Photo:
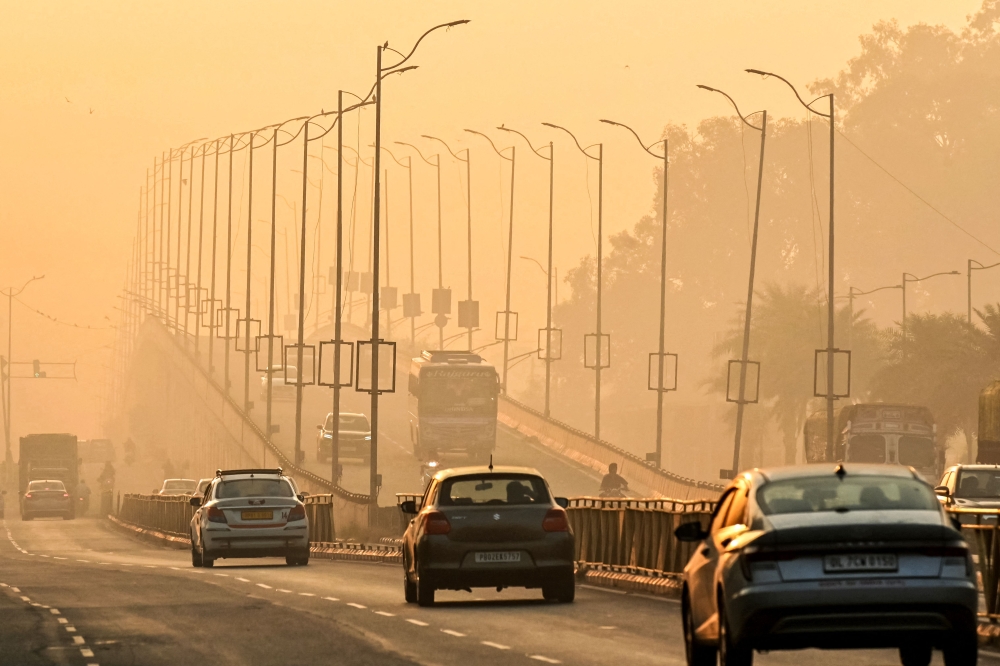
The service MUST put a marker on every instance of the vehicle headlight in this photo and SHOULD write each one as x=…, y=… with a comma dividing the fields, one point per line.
x=327, y=436
x=368, y=438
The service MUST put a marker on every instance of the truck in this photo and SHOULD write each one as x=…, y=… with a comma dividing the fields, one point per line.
x=452, y=404
x=49, y=456
x=877, y=433
x=989, y=425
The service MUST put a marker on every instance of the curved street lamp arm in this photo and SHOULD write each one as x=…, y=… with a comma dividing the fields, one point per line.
x=434, y=164
x=537, y=263
x=537, y=151
x=12, y=293
x=636, y=135
x=914, y=278
x=558, y=127
x=855, y=292
x=979, y=266
x=441, y=141
x=414, y=49
x=495, y=149
x=797, y=95
x=733, y=102
x=327, y=130
x=408, y=161
x=280, y=128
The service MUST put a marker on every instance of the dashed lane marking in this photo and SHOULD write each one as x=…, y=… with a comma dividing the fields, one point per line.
x=452, y=632
x=306, y=594
x=84, y=561
x=418, y=623
x=266, y=587
x=224, y=575
x=25, y=598
x=331, y=598
x=285, y=591
x=547, y=660
x=56, y=557
x=609, y=627
x=78, y=640
x=243, y=580
x=62, y=620
x=70, y=629
x=86, y=652
x=495, y=645
x=354, y=605
x=55, y=611
x=384, y=614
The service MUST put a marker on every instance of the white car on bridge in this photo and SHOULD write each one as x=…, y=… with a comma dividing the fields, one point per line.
x=249, y=513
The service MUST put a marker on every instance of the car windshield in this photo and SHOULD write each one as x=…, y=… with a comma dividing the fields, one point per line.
x=229, y=489
x=978, y=483
x=464, y=391
x=916, y=451
x=354, y=422
x=866, y=449
x=180, y=484
x=493, y=489
x=850, y=493
x=46, y=485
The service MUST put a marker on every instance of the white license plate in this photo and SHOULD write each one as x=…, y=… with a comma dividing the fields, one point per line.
x=861, y=562
x=487, y=558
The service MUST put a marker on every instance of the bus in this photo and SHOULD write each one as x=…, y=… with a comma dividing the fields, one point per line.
x=878, y=433
x=452, y=403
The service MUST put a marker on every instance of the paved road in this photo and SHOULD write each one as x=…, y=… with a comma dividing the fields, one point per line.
x=80, y=587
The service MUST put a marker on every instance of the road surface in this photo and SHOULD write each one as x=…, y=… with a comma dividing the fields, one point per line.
x=82, y=592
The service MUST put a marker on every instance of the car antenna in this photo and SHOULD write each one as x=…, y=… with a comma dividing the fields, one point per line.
x=840, y=471
x=491, y=463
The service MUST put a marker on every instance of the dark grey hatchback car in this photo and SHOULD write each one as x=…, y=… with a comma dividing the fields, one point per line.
x=487, y=527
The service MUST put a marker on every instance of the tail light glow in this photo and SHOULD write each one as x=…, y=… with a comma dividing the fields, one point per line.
x=436, y=522
x=216, y=515
x=298, y=512
x=555, y=521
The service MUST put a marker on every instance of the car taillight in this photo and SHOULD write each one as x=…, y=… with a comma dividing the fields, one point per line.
x=555, y=521
x=436, y=522
x=27, y=495
x=298, y=512
x=216, y=515
x=65, y=494
x=752, y=555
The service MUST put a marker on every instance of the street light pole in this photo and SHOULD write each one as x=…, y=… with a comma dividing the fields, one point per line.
x=409, y=174
x=600, y=268
x=978, y=267
x=548, y=273
x=663, y=286
x=510, y=255
x=830, y=347
x=741, y=403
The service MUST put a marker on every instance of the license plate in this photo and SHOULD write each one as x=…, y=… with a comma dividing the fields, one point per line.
x=257, y=515
x=860, y=563
x=487, y=558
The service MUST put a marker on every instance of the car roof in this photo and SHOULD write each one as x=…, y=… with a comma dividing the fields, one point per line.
x=186, y=480
x=483, y=469
x=45, y=481
x=825, y=469
x=977, y=466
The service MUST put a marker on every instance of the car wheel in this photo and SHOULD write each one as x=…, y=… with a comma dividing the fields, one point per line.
x=731, y=651
x=409, y=589
x=915, y=655
x=196, y=559
x=207, y=561
x=562, y=589
x=425, y=592
x=963, y=650
x=697, y=654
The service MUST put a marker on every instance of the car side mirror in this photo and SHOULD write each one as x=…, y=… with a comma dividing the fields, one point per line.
x=690, y=532
x=195, y=501
x=944, y=491
x=562, y=501
x=408, y=507
x=302, y=497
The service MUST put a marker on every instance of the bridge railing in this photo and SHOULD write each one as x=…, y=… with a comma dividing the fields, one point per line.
x=169, y=514
x=981, y=529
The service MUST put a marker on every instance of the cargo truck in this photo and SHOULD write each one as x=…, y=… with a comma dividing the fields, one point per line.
x=989, y=425
x=49, y=457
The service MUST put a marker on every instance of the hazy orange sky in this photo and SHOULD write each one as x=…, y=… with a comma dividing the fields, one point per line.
x=93, y=90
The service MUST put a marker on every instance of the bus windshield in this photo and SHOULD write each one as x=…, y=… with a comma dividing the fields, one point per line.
x=458, y=392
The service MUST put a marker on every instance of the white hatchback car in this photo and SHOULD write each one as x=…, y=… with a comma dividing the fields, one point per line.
x=249, y=513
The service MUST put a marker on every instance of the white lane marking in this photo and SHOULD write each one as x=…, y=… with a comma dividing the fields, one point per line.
x=266, y=587
x=223, y=575
x=195, y=571
x=495, y=645
x=331, y=599
x=384, y=614
x=86, y=652
x=4, y=585
x=354, y=605
x=285, y=591
x=418, y=623
x=124, y=564
x=43, y=555
x=26, y=599
x=609, y=627
x=547, y=660
x=174, y=568
x=55, y=611
x=243, y=580
x=603, y=589
x=36, y=604
x=14, y=589
x=62, y=620
x=148, y=566
x=56, y=557
x=452, y=632
x=306, y=594
x=78, y=640
x=70, y=629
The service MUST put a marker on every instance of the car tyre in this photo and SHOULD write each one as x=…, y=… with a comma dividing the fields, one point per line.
x=425, y=592
x=697, y=654
x=731, y=651
x=562, y=589
x=963, y=650
x=915, y=655
x=409, y=589
x=196, y=558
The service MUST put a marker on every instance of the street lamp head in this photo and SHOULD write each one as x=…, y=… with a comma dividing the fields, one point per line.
x=758, y=71
x=703, y=87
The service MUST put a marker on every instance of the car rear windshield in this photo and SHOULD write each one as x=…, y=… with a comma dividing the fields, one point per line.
x=491, y=489
x=180, y=484
x=253, y=488
x=354, y=422
x=850, y=493
x=978, y=483
x=46, y=485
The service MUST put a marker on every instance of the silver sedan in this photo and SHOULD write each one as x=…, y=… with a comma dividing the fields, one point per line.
x=824, y=556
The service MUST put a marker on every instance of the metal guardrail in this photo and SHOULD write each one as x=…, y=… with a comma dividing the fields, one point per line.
x=985, y=538
x=170, y=514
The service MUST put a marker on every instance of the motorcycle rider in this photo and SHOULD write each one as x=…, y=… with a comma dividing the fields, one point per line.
x=83, y=496
x=613, y=485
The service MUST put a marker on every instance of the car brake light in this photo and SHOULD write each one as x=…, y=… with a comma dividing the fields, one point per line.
x=216, y=515
x=555, y=521
x=753, y=555
x=298, y=512
x=65, y=494
x=436, y=522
